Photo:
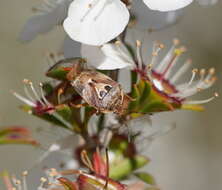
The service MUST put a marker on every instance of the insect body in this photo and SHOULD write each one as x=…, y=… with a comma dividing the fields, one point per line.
x=100, y=91
x=97, y=89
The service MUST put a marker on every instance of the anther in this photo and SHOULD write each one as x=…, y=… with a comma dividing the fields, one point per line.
x=199, y=89
x=176, y=41
x=43, y=180
x=53, y=172
x=25, y=173
x=211, y=71
x=183, y=49
x=202, y=72
x=161, y=46
x=117, y=42
x=195, y=70
x=149, y=66
x=216, y=94
x=138, y=43
x=18, y=182
x=26, y=81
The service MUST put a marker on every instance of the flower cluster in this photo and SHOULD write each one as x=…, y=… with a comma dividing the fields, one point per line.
x=82, y=95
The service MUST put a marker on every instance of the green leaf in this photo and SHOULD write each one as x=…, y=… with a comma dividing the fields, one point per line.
x=123, y=168
x=64, y=111
x=155, y=106
x=145, y=177
x=148, y=100
x=61, y=69
x=145, y=92
x=135, y=96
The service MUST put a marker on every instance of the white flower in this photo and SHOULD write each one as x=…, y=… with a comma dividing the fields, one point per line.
x=167, y=5
x=48, y=15
x=96, y=22
x=108, y=57
x=164, y=77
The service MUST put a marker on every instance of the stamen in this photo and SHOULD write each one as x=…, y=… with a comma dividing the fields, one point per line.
x=122, y=51
x=202, y=73
x=53, y=172
x=162, y=65
x=173, y=61
x=24, y=174
x=43, y=96
x=156, y=48
x=85, y=159
x=17, y=183
x=23, y=99
x=42, y=182
x=211, y=72
x=181, y=71
x=149, y=71
x=138, y=54
x=203, y=101
x=27, y=92
x=194, y=72
x=176, y=42
x=63, y=121
x=34, y=91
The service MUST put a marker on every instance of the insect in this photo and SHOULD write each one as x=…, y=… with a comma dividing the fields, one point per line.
x=101, y=92
x=97, y=89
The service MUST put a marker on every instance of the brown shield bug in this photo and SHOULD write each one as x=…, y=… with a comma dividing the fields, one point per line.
x=101, y=92
x=96, y=88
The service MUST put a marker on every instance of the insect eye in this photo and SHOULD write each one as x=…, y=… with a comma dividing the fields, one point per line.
x=102, y=94
x=93, y=80
x=108, y=88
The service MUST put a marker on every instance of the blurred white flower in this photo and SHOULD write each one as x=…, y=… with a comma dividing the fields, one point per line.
x=48, y=14
x=96, y=22
x=108, y=56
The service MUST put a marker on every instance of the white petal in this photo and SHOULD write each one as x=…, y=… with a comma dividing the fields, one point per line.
x=54, y=13
x=98, y=24
x=167, y=5
x=106, y=57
